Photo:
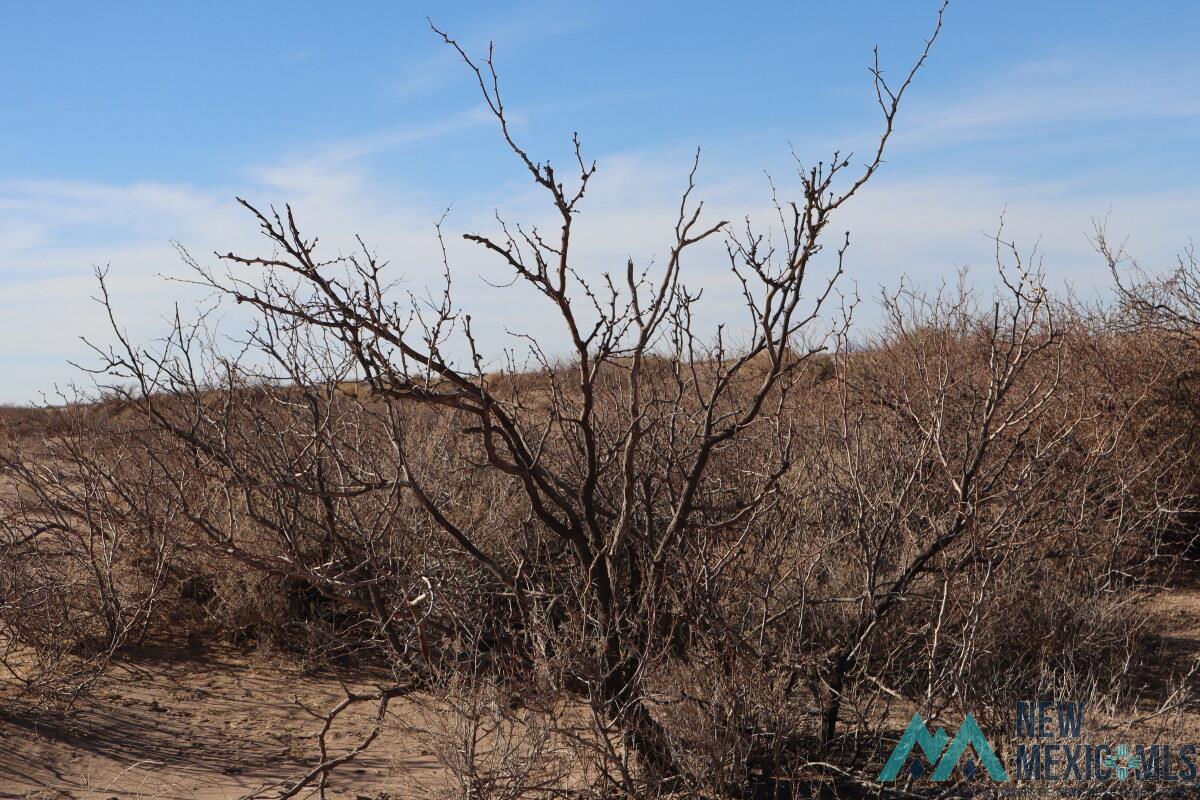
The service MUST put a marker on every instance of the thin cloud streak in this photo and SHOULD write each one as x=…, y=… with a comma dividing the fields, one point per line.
x=925, y=228
x=1072, y=93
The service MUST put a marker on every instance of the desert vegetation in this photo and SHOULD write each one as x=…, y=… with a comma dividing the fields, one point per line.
x=646, y=560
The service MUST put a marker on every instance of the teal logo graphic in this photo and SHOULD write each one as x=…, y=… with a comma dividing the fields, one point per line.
x=943, y=759
x=1049, y=747
x=1122, y=762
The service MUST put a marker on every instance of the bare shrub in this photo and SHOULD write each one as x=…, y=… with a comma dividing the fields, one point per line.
x=655, y=562
x=83, y=557
x=1157, y=318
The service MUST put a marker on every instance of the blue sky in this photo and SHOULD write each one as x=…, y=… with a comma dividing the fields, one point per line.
x=128, y=125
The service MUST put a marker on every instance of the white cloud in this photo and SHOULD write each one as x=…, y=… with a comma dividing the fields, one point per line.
x=54, y=232
x=1055, y=92
x=335, y=167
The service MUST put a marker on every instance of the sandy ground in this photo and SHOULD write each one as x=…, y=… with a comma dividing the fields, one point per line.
x=222, y=727
x=226, y=726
